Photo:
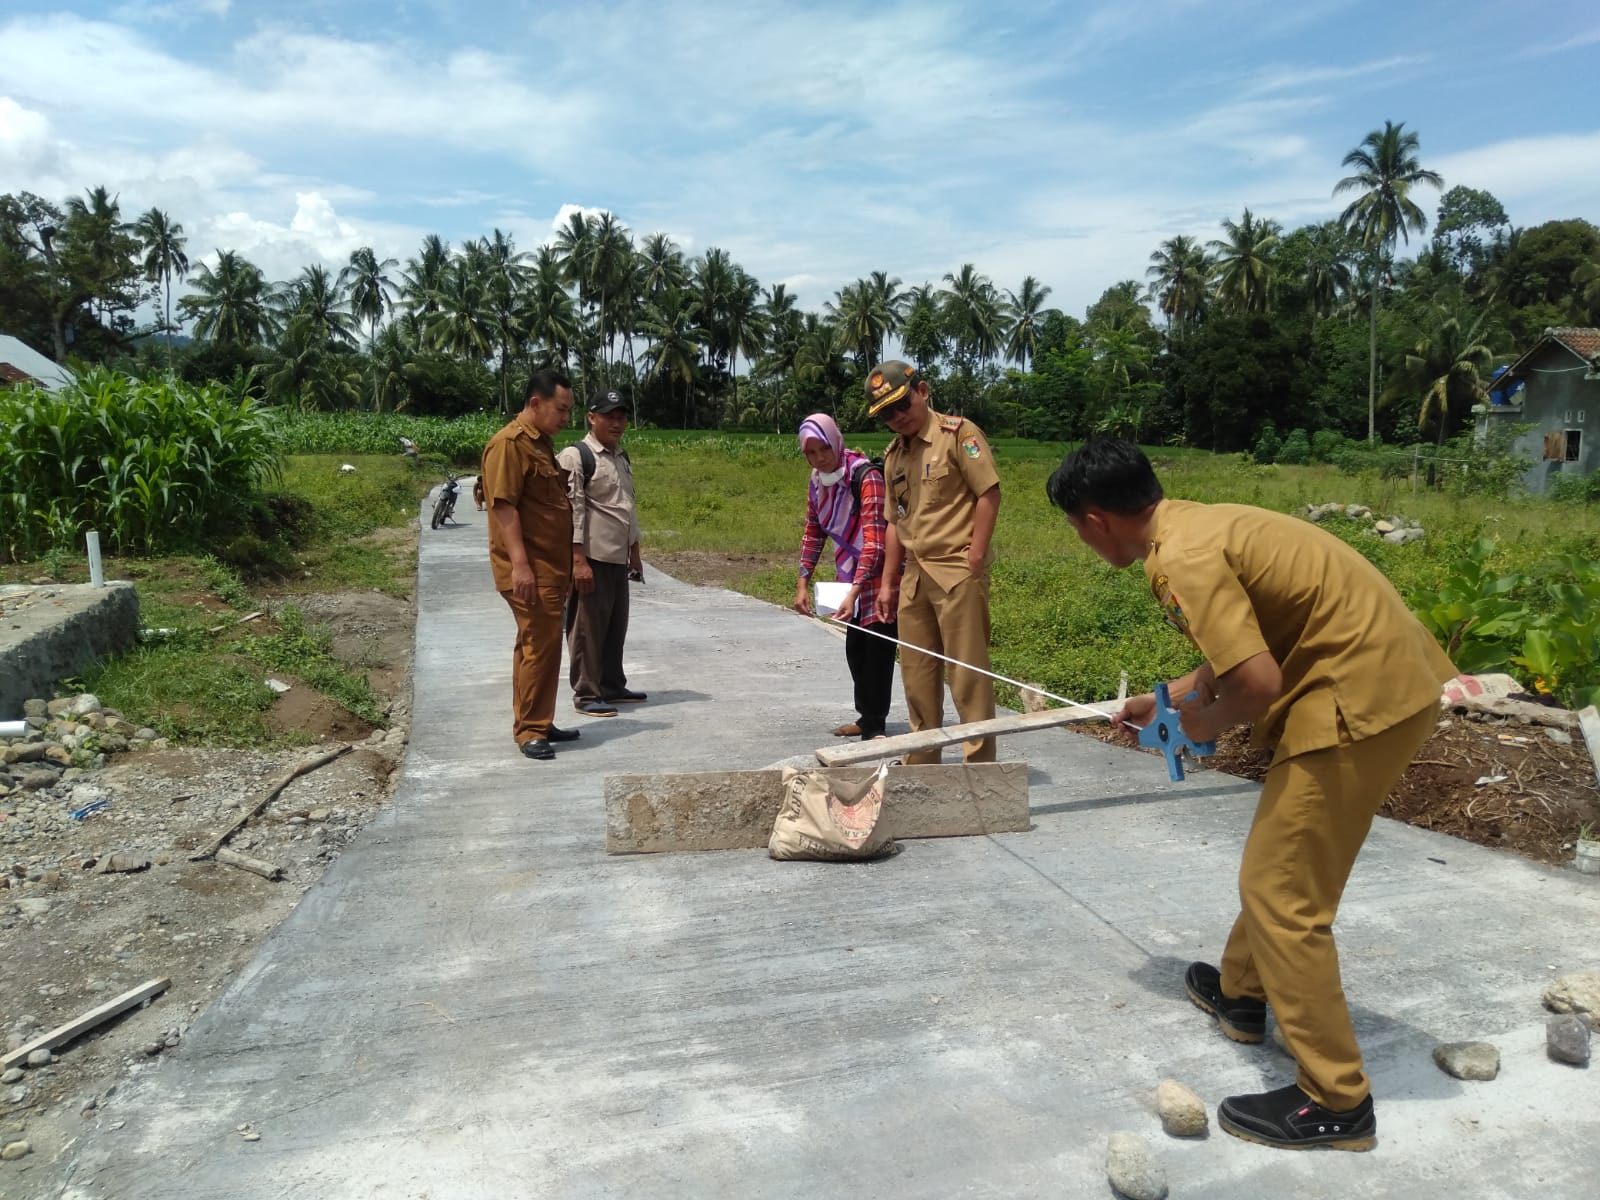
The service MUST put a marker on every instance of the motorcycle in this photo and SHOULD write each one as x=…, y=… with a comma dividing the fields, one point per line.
x=445, y=506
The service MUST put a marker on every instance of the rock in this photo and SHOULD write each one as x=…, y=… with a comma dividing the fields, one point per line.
x=40, y=1058
x=16, y=1150
x=1132, y=1169
x=120, y=861
x=172, y=1040
x=35, y=781
x=1559, y=736
x=122, y=727
x=1402, y=537
x=1358, y=511
x=11, y=1075
x=34, y=906
x=1384, y=526
x=1577, y=993
x=59, y=754
x=88, y=1106
x=1467, y=1060
x=35, y=708
x=1183, y=1114
x=28, y=752
x=85, y=704
x=1567, y=1039
x=318, y=814
x=56, y=707
x=144, y=735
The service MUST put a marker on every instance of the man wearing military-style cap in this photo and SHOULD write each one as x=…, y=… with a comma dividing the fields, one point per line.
x=944, y=496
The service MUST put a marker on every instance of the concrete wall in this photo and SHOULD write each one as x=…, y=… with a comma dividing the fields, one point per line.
x=58, y=631
x=1555, y=399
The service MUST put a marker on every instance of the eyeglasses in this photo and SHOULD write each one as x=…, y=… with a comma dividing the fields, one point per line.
x=894, y=410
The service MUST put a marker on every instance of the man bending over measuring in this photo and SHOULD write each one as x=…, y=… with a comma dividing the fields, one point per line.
x=1307, y=641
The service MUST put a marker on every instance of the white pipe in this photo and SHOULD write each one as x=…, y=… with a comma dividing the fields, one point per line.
x=97, y=571
x=13, y=729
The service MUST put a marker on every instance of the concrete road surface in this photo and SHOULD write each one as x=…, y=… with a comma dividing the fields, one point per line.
x=476, y=1002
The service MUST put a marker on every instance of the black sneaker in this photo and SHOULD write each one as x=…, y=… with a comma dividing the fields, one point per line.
x=1242, y=1019
x=625, y=696
x=562, y=735
x=1289, y=1119
x=595, y=708
x=537, y=748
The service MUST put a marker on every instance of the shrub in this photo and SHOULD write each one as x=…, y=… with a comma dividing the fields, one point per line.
x=1296, y=449
x=152, y=465
x=1267, y=444
x=1325, y=443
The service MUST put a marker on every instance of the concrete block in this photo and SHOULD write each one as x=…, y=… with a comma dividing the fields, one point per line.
x=57, y=631
x=734, y=810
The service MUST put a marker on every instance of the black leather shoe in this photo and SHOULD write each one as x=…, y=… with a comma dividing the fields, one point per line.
x=537, y=748
x=1241, y=1019
x=626, y=697
x=1291, y=1120
x=562, y=735
x=595, y=708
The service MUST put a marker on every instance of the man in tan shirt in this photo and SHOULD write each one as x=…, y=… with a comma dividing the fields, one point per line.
x=943, y=499
x=605, y=554
x=1307, y=641
x=530, y=553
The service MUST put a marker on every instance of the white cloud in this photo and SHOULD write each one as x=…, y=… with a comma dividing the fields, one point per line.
x=1538, y=178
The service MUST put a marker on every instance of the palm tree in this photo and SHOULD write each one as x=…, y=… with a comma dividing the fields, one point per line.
x=1024, y=309
x=549, y=318
x=661, y=266
x=747, y=327
x=1180, y=280
x=785, y=325
x=164, y=259
x=367, y=286
x=863, y=317
x=424, y=275
x=462, y=323
x=230, y=303
x=319, y=296
x=971, y=307
x=1244, y=262
x=1327, y=274
x=820, y=359
x=675, y=338
x=1387, y=168
x=504, y=271
x=1444, y=366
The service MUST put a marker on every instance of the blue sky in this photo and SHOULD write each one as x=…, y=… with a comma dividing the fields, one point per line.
x=816, y=142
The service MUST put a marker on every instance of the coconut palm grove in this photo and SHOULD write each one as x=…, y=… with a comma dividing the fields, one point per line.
x=1382, y=325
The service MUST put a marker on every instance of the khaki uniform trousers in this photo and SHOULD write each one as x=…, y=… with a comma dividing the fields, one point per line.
x=955, y=624
x=1315, y=811
x=536, y=661
x=597, y=628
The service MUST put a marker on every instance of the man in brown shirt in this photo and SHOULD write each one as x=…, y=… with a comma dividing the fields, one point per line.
x=1307, y=641
x=943, y=499
x=605, y=553
x=530, y=553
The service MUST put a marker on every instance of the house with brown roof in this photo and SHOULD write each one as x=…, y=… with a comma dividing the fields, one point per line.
x=20, y=363
x=1554, y=390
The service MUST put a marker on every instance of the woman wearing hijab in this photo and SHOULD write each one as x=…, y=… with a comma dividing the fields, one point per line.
x=845, y=502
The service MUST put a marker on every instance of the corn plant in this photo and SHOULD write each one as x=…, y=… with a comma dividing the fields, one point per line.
x=150, y=464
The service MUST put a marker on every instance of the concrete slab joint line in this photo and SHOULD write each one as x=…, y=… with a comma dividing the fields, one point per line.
x=734, y=810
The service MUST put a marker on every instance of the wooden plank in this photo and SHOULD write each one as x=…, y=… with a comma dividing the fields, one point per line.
x=1589, y=723
x=245, y=863
x=735, y=810
x=62, y=1034
x=1519, y=710
x=948, y=735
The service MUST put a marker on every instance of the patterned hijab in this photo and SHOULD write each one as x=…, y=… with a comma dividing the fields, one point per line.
x=837, y=513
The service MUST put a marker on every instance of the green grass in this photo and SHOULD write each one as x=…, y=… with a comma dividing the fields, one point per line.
x=1062, y=618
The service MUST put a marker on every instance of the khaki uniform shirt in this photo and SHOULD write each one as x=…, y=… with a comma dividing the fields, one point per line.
x=519, y=467
x=1238, y=580
x=935, y=477
x=605, y=524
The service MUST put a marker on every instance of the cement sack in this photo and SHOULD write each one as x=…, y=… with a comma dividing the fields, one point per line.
x=828, y=820
x=1490, y=687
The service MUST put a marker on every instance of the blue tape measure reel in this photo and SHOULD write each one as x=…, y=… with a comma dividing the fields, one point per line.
x=1166, y=735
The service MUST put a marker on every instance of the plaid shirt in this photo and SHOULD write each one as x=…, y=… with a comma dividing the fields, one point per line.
x=869, y=519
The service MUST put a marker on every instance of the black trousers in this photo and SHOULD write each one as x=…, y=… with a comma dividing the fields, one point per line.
x=597, y=627
x=871, y=662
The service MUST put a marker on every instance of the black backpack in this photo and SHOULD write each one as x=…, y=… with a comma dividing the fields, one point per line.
x=586, y=456
x=875, y=463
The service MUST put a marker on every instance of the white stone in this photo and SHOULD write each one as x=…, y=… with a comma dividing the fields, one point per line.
x=1183, y=1114
x=1576, y=993
x=1132, y=1169
x=85, y=704
x=1467, y=1060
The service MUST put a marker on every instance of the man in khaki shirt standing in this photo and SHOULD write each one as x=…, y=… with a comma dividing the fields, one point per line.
x=1307, y=641
x=605, y=554
x=943, y=499
x=530, y=553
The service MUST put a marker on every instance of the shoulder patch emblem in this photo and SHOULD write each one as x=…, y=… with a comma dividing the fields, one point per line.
x=970, y=445
x=1171, y=609
x=951, y=424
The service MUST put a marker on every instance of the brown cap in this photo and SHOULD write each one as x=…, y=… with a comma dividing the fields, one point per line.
x=887, y=383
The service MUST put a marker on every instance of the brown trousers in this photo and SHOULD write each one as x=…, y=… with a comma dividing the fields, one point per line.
x=597, y=627
x=1315, y=811
x=536, y=661
x=955, y=624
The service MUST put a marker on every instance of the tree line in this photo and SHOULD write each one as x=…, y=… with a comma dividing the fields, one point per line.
x=1323, y=327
